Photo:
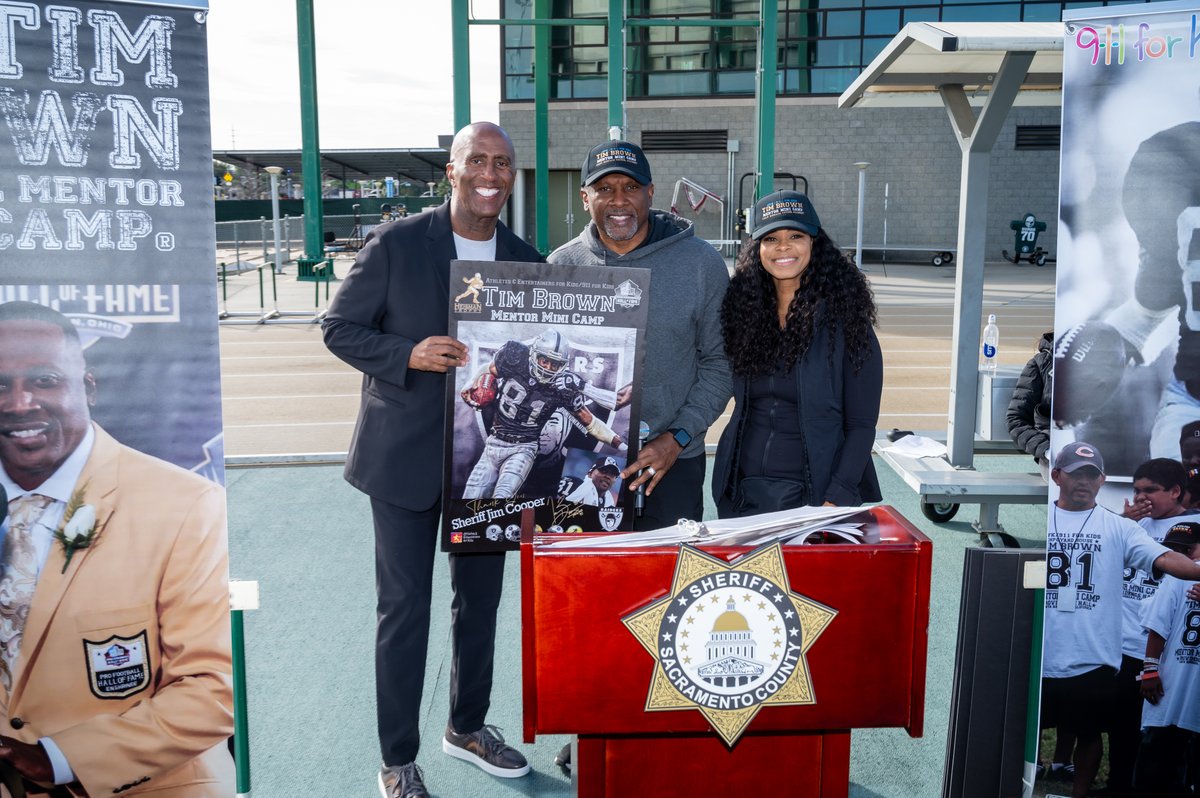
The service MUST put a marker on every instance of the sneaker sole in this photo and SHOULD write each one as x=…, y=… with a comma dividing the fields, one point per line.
x=466, y=756
x=382, y=788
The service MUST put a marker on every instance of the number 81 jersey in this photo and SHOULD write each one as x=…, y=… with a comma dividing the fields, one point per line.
x=523, y=402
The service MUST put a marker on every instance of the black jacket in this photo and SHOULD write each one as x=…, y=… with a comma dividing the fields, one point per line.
x=396, y=295
x=839, y=409
x=1029, y=408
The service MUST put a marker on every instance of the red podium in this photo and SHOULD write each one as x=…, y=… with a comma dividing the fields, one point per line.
x=585, y=673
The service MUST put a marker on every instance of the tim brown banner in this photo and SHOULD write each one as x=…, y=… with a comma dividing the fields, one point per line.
x=106, y=208
x=545, y=413
x=1126, y=371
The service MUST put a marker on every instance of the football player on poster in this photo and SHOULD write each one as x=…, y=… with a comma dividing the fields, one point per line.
x=526, y=383
x=1127, y=362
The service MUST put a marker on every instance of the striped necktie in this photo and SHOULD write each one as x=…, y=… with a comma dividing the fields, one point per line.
x=19, y=579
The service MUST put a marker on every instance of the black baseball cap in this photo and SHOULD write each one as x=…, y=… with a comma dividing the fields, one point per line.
x=789, y=210
x=606, y=462
x=620, y=157
x=1182, y=536
x=1190, y=430
x=1075, y=456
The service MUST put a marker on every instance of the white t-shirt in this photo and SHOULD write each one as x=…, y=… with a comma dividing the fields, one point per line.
x=1140, y=585
x=1086, y=553
x=469, y=249
x=586, y=493
x=1173, y=615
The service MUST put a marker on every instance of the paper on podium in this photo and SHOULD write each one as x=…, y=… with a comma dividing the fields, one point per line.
x=789, y=527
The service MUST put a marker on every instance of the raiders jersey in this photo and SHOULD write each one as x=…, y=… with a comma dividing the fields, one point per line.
x=1161, y=200
x=523, y=404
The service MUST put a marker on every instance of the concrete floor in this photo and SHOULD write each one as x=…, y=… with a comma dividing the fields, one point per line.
x=285, y=394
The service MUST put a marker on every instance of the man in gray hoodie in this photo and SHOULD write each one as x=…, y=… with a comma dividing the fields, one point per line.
x=686, y=382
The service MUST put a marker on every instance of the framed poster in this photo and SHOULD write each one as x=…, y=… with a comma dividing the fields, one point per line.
x=544, y=414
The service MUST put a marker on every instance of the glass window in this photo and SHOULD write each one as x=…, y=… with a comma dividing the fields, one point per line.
x=838, y=52
x=667, y=84
x=735, y=82
x=843, y=23
x=988, y=13
x=590, y=34
x=872, y=48
x=591, y=86
x=885, y=22
x=927, y=14
x=1042, y=12
x=519, y=87
x=832, y=81
x=589, y=8
x=518, y=61
x=589, y=60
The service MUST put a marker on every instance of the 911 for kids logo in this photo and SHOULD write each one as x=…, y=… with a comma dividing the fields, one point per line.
x=729, y=639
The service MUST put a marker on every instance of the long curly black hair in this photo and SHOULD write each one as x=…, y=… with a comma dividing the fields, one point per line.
x=832, y=292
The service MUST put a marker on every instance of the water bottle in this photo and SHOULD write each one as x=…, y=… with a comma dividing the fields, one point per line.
x=991, y=341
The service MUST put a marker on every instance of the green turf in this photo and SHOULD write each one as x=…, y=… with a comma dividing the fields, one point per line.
x=306, y=537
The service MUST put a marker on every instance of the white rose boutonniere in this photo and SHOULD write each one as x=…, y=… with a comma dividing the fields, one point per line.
x=78, y=529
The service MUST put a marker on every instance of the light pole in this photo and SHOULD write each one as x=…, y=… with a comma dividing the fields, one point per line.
x=862, y=192
x=275, y=172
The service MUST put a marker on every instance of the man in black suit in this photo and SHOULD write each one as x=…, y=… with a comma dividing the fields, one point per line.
x=390, y=321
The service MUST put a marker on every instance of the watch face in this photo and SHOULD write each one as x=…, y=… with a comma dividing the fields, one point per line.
x=681, y=437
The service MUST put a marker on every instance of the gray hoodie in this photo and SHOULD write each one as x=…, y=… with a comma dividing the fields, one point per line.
x=686, y=381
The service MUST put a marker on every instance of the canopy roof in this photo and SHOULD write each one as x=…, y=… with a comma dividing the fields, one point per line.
x=926, y=55
x=418, y=165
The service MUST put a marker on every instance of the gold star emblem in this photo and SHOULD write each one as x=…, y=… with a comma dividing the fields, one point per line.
x=679, y=683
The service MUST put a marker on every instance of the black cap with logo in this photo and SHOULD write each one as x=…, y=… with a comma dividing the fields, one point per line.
x=789, y=210
x=620, y=157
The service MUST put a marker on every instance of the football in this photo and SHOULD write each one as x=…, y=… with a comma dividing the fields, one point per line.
x=1089, y=362
x=482, y=393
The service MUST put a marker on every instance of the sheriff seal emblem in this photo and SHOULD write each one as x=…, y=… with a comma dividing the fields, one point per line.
x=729, y=639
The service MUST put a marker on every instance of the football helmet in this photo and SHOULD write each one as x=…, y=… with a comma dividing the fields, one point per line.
x=547, y=356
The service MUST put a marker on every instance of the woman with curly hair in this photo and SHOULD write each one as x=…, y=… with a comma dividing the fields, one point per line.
x=798, y=321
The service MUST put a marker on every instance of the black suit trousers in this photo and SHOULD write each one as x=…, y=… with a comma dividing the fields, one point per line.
x=406, y=542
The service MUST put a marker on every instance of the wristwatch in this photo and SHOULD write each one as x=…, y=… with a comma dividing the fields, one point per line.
x=681, y=437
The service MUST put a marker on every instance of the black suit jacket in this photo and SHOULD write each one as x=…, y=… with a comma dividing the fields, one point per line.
x=397, y=294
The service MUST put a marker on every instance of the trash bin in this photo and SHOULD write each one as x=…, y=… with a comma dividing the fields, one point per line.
x=1025, y=239
x=991, y=410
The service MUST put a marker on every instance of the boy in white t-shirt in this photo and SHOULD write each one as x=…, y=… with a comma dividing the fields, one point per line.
x=1158, y=487
x=1170, y=680
x=1087, y=550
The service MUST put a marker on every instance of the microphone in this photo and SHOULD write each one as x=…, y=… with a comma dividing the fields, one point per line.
x=639, y=498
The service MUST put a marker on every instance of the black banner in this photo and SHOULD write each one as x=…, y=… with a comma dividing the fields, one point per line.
x=106, y=209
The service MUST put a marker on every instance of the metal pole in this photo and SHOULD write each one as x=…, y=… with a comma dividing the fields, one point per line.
x=262, y=233
x=314, y=231
x=460, y=46
x=616, y=65
x=274, y=172
x=541, y=128
x=767, y=59
x=241, y=724
x=224, y=293
x=862, y=193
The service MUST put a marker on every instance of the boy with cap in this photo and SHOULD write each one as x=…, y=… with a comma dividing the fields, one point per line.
x=595, y=490
x=1088, y=548
x=687, y=383
x=1170, y=679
